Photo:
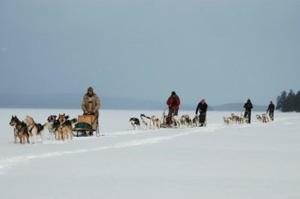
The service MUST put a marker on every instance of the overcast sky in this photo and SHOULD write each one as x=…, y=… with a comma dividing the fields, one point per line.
x=222, y=50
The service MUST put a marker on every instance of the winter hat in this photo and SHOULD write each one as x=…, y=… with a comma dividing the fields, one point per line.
x=90, y=89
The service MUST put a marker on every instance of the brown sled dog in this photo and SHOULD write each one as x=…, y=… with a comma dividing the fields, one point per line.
x=20, y=130
x=64, y=130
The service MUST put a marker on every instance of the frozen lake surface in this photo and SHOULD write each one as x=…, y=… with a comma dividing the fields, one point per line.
x=257, y=161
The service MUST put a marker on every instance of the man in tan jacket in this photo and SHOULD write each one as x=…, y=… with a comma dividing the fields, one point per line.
x=91, y=105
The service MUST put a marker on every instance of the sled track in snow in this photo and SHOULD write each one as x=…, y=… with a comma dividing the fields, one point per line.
x=15, y=161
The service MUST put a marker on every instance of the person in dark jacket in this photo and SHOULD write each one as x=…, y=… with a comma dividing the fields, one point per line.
x=173, y=104
x=202, y=108
x=248, y=107
x=270, y=110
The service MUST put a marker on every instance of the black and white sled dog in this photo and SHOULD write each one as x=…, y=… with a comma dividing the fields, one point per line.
x=234, y=119
x=146, y=120
x=185, y=120
x=135, y=123
x=264, y=118
x=150, y=122
x=52, y=125
x=195, y=121
x=60, y=127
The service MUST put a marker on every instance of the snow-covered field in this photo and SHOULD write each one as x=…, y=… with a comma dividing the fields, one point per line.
x=257, y=161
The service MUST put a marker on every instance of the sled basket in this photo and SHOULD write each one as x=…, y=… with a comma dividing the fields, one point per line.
x=88, y=119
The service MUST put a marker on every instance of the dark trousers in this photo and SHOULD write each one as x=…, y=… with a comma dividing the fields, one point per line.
x=271, y=114
x=170, y=115
x=248, y=116
x=202, y=118
x=172, y=112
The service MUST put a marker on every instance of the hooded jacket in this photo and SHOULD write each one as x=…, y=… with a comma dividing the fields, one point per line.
x=90, y=104
x=202, y=107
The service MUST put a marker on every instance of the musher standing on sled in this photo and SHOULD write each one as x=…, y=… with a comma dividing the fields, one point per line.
x=248, y=107
x=202, y=108
x=91, y=105
x=173, y=103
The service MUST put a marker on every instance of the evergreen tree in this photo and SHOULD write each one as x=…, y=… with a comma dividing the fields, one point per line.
x=289, y=103
x=297, y=101
x=281, y=99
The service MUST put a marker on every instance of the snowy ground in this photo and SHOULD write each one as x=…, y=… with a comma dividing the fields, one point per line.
x=257, y=161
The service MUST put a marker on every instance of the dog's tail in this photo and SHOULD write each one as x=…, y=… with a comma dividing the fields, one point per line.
x=143, y=115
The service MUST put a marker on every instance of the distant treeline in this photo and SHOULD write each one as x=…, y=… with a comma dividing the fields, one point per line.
x=288, y=102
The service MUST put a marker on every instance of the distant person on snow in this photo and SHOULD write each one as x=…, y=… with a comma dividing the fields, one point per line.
x=173, y=104
x=270, y=110
x=248, y=107
x=91, y=105
x=202, y=108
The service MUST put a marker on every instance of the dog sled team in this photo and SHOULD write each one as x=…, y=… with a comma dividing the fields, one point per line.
x=28, y=131
x=246, y=117
x=171, y=119
x=60, y=127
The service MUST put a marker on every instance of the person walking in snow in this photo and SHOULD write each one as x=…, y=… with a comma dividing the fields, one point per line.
x=202, y=109
x=270, y=110
x=248, y=107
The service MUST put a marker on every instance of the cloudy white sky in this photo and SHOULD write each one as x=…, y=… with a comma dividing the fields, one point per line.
x=223, y=50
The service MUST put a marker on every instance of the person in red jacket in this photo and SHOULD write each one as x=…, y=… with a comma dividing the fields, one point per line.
x=173, y=103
